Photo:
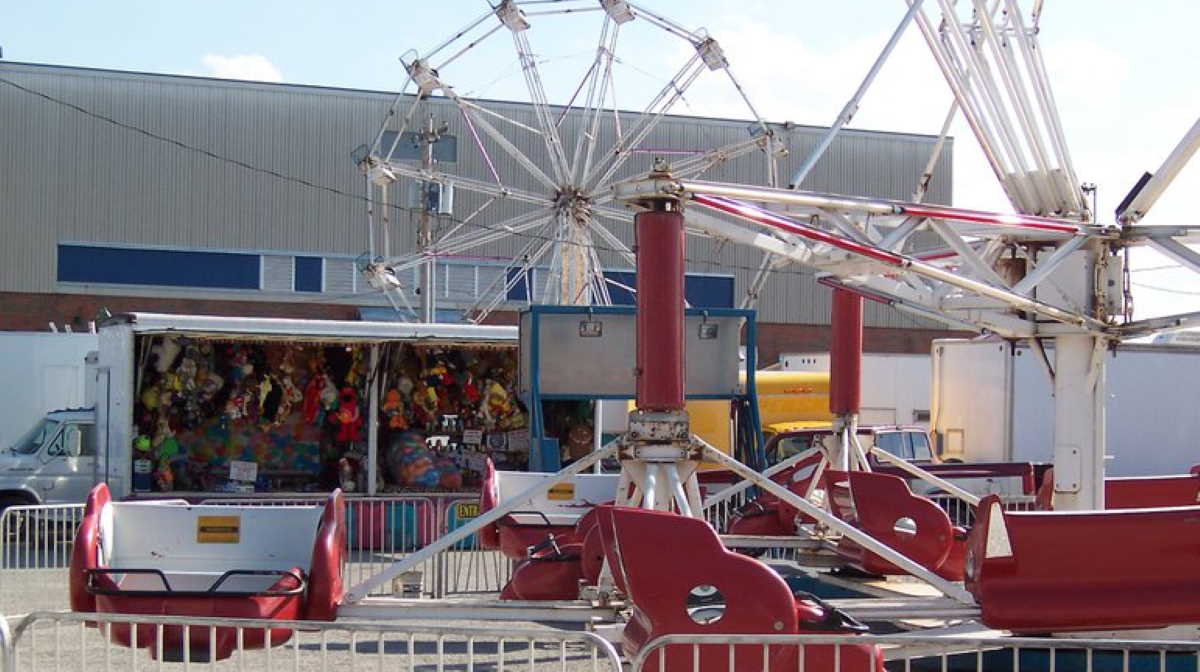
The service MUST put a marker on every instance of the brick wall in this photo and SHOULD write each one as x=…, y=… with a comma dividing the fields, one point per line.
x=775, y=339
x=20, y=311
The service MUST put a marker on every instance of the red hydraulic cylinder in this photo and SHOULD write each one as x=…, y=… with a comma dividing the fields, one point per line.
x=660, y=303
x=845, y=352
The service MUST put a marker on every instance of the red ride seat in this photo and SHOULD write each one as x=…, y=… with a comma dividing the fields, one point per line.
x=658, y=559
x=767, y=515
x=279, y=563
x=1036, y=571
x=876, y=503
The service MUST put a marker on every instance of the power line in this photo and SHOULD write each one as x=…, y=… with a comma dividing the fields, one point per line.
x=1169, y=290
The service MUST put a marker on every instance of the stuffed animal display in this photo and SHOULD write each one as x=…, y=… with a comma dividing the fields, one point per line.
x=289, y=409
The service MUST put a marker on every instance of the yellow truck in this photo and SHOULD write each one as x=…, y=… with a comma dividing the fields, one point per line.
x=787, y=400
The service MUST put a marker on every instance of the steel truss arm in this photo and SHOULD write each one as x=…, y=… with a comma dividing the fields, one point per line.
x=880, y=263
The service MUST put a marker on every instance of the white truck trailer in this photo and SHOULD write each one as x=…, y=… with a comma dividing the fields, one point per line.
x=992, y=401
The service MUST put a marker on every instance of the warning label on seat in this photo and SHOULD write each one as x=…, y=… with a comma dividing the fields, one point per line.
x=218, y=529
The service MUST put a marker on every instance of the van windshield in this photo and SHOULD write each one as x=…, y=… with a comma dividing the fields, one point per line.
x=34, y=439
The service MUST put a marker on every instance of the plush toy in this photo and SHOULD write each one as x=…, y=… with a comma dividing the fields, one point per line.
x=208, y=383
x=433, y=375
x=151, y=396
x=164, y=478
x=312, y=399
x=165, y=353
x=239, y=362
x=405, y=385
x=348, y=417
x=470, y=389
x=346, y=475
x=496, y=405
x=424, y=405
x=289, y=396
x=393, y=410
x=329, y=393
x=187, y=371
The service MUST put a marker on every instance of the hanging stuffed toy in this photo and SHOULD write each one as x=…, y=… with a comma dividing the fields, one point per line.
x=240, y=366
x=393, y=410
x=329, y=397
x=470, y=389
x=425, y=403
x=348, y=417
x=165, y=352
x=405, y=386
x=164, y=478
x=312, y=399
x=289, y=396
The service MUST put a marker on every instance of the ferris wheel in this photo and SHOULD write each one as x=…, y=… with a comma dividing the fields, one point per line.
x=546, y=157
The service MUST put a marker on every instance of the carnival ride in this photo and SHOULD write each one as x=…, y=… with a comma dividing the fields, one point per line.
x=1048, y=274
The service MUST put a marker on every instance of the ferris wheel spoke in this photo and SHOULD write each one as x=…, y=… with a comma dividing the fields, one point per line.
x=514, y=226
x=470, y=45
x=541, y=107
x=469, y=218
x=470, y=184
x=598, y=87
x=507, y=281
x=504, y=143
x=667, y=24
x=651, y=116
x=617, y=245
x=459, y=34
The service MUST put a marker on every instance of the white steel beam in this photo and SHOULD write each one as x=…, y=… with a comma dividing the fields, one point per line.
x=865, y=540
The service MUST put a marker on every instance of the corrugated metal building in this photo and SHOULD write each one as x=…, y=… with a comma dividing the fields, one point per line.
x=256, y=188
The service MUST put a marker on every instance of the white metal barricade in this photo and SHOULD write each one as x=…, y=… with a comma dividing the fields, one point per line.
x=385, y=528
x=35, y=551
x=66, y=641
x=914, y=653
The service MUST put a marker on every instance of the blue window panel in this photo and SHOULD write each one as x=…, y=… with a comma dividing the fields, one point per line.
x=619, y=295
x=521, y=290
x=709, y=291
x=309, y=271
x=168, y=268
x=701, y=291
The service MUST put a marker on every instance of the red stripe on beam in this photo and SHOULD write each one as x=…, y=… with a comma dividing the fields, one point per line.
x=811, y=232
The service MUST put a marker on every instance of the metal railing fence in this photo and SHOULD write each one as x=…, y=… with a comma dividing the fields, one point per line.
x=36, y=543
x=64, y=642
x=912, y=653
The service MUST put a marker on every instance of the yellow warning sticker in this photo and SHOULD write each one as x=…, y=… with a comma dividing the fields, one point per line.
x=466, y=510
x=562, y=491
x=218, y=529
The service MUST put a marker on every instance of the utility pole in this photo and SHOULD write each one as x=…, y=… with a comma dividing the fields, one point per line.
x=428, y=137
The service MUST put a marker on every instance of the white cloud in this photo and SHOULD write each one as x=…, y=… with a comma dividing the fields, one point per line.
x=253, y=67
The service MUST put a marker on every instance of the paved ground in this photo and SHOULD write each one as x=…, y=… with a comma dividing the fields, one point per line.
x=71, y=646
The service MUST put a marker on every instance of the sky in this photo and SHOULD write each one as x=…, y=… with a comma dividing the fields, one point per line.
x=1124, y=74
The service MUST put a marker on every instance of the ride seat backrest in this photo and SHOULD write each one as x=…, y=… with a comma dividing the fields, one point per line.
x=878, y=504
x=564, y=504
x=1090, y=547
x=662, y=557
x=167, y=537
x=1086, y=570
x=1143, y=492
